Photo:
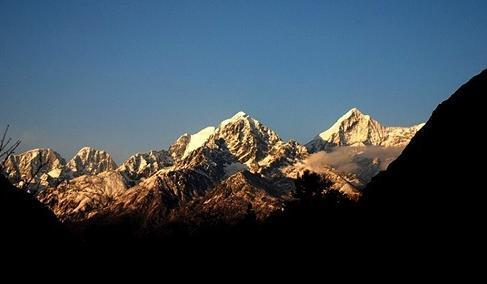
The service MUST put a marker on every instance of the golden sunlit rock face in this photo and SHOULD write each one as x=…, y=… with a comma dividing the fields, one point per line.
x=357, y=129
x=260, y=128
x=239, y=167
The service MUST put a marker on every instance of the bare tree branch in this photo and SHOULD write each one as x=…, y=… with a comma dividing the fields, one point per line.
x=10, y=150
x=6, y=144
x=3, y=137
x=6, y=151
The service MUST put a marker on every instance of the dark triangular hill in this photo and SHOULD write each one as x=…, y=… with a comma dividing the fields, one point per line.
x=28, y=227
x=439, y=176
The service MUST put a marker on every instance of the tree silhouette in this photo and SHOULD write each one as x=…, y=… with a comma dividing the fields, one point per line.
x=310, y=186
x=7, y=149
x=314, y=194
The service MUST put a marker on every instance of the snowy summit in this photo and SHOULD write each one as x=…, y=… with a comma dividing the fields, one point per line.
x=357, y=129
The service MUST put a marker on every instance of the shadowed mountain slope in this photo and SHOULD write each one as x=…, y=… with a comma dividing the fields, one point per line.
x=439, y=171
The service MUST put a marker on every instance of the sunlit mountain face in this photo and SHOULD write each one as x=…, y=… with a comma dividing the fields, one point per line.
x=178, y=128
x=237, y=167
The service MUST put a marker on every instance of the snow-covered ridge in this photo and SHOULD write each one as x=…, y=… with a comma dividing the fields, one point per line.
x=355, y=123
x=144, y=165
x=19, y=168
x=198, y=139
x=90, y=161
x=357, y=129
x=252, y=145
x=240, y=155
x=237, y=116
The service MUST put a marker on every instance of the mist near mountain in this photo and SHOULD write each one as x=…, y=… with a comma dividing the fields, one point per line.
x=362, y=162
x=412, y=209
x=432, y=166
x=168, y=181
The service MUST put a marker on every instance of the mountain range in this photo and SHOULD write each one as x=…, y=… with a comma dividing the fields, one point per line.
x=236, y=168
x=426, y=207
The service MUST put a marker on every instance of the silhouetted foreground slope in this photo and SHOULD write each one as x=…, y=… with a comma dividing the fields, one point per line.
x=430, y=202
x=441, y=171
x=28, y=227
x=428, y=205
x=431, y=199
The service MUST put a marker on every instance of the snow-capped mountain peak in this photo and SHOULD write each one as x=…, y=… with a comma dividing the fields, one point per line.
x=237, y=131
x=238, y=116
x=355, y=123
x=21, y=167
x=246, y=138
x=355, y=128
x=352, y=111
x=238, y=162
x=253, y=144
x=90, y=161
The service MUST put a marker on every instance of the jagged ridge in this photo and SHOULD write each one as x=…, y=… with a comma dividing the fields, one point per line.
x=357, y=129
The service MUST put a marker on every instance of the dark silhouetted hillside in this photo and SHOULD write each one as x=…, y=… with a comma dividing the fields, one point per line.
x=442, y=166
x=28, y=227
x=435, y=190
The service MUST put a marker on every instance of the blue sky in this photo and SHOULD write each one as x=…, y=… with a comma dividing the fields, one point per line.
x=130, y=76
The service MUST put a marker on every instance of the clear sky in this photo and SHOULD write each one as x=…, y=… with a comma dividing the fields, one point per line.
x=130, y=76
